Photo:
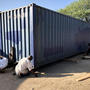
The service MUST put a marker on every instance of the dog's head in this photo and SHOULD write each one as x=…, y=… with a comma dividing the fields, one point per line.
x=30, y=58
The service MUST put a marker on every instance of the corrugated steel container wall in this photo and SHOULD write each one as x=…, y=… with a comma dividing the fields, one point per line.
x=15, y=29
x=0, y=36
x=46, y=35
x=57, y=36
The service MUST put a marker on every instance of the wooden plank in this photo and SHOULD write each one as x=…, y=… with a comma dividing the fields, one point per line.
x=83, y=78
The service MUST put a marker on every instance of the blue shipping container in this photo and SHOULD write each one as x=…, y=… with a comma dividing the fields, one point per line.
x=45, y=34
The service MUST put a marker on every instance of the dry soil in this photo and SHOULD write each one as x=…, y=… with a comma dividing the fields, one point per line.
x=61, y=75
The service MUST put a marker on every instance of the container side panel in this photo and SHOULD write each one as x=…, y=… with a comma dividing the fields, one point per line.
x=48, y=37
x=57, y=36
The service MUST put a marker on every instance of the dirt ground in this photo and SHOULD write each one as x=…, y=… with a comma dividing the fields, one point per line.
x=61, y=75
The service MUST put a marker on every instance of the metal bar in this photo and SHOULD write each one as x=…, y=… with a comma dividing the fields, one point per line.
x=32, y=11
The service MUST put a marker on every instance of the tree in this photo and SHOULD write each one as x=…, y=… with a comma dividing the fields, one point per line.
x=79, y=9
